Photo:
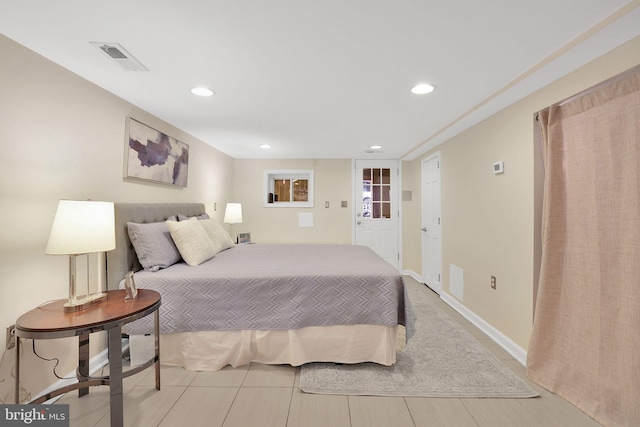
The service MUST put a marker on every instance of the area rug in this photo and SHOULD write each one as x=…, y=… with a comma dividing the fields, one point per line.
x=440, y=360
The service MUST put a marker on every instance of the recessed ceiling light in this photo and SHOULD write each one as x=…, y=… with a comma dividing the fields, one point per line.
x=422, y=88
x=202, y=91
x=375, y=147
x=264, y=146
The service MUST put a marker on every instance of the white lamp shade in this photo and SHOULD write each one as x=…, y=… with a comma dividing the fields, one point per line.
x=233, y=213
x=82, y=227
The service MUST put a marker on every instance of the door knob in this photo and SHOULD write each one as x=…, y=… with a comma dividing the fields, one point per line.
x=359, y=222
x=424, y=229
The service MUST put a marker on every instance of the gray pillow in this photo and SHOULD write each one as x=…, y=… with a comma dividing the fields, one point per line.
x=184, y=217
x=153, y=244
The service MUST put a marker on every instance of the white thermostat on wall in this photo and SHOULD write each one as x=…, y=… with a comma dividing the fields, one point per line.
x=498, y=168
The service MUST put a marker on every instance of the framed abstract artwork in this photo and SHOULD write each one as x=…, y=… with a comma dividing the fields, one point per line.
x=153, y=156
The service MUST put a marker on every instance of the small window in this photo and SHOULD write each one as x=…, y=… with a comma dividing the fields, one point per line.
x=288, y=188
x=376, y=193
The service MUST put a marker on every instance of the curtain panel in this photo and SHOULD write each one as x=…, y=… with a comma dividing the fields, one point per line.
x=585, y=343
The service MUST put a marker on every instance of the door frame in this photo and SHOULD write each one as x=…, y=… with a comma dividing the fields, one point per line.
x=355, y=196
x=438, y=286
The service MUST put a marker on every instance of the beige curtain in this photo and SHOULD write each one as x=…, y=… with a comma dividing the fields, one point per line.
x=585, y=344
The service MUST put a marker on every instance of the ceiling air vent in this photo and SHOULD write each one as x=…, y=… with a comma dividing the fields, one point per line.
x=120, y=56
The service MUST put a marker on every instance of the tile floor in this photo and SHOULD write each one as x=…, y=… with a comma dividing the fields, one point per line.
x=267, y=396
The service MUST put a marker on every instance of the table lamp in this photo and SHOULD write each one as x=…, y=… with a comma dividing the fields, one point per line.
x=81, y=228
x=233, y=215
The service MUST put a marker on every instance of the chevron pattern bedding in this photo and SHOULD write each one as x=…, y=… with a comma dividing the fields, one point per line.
x=279, y=287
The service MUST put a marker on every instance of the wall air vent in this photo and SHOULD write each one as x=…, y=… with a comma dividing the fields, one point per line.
x=120, y=56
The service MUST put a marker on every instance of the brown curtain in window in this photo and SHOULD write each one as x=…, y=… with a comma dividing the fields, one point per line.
x=585, y=344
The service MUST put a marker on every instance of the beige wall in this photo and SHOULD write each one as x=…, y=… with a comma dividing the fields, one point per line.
x=489, y=221
x=280, y=225
x=411, y=220
x=63, y=137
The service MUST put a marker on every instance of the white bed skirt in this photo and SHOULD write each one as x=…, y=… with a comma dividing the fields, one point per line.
x=213, y=350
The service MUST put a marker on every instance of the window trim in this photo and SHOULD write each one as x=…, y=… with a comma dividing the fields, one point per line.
x=271, y=175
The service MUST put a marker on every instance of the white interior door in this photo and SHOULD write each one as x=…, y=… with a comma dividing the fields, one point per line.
x=376, y=208
x=431, y=223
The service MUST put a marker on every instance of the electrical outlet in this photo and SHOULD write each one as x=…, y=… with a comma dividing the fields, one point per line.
x=493, y=282
x=11, y=338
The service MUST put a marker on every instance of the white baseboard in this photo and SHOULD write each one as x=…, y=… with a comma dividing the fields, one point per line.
x=501, y=339
x=413, y=274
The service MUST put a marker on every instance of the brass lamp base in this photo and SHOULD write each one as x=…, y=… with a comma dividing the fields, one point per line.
x=84, y=303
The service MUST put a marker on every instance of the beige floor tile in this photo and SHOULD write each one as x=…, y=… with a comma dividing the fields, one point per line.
x=475, y=332
x=439, y=412
x=317, y=410
x=88, y=410
x=201, y=406
x=136, y=379
x=260, y=375
x=146, y=406
x=496, y=350
x=170, y=376
x=130, y=381
x=259, y=406
x=535, y=412
x=226, y=377
x=454, y=315
x=375, y=411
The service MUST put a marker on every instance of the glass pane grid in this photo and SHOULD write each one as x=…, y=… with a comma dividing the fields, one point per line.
x=376, y=193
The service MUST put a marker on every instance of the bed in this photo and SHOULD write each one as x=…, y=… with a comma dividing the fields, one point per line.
x=273, y=304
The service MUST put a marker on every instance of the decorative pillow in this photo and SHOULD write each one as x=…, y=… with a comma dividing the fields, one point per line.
x=218, y=235
x=153, y=245
x=192, y=241
x=184, y=217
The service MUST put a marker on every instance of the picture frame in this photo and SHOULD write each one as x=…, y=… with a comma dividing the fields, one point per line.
x=130, y=286
x=151, y=155
x=244, y=237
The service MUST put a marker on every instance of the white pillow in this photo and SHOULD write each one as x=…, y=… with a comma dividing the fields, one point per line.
x=218, y=235
x=192, y=241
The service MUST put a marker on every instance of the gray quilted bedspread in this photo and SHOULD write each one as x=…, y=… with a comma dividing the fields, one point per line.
x=278, y=287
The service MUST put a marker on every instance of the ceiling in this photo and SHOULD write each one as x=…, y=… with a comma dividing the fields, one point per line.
x=323, y=79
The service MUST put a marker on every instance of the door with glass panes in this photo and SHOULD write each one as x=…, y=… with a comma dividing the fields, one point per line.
x=376, y=208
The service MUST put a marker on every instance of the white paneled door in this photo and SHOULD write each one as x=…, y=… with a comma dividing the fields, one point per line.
x=431, y=223
x=377, y=208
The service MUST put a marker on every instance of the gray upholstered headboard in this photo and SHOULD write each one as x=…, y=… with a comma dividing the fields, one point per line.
x=123, y=258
